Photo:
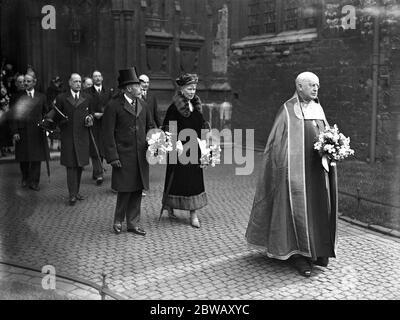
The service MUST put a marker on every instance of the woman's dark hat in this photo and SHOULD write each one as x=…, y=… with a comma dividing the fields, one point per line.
x=127, y=76
x=186, y=79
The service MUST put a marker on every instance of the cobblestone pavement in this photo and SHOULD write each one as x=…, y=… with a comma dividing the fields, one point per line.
x=64, y=288
x=174, y=260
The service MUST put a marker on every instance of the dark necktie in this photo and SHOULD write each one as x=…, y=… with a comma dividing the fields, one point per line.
x=76, y=98
x=30, y=94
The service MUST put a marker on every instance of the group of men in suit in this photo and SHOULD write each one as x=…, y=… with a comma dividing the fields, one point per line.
x=95, y=123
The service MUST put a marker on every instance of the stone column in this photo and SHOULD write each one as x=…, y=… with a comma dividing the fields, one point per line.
x=118, y=61
x=129, y=38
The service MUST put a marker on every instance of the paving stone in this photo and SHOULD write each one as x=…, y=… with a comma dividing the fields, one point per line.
x=174, y=260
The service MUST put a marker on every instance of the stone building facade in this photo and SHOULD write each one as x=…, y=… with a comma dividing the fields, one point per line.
x=273, y=41
x=163, y=38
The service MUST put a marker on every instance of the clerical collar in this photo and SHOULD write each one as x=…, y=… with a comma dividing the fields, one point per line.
x=128, y=99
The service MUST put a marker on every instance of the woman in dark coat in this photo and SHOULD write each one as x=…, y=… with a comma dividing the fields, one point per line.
x=186, y=190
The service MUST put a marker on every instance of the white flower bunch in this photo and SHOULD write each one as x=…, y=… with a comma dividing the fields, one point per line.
x=333, y=145
x=210, y=156
x=159, y=145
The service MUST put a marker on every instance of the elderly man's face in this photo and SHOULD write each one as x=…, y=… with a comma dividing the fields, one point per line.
x=19, y=83
x=133, y=90
x=75, y=82
x=309, y=89
x=88, y=83
x=145, y=83
x=97, y=78
x=29, y=82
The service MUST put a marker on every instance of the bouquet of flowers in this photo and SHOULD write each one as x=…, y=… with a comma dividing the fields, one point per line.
x=209, y=156
x=159, y=145
x=333, y=145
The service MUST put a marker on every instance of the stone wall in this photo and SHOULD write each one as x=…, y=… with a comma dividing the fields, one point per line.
x=262, y=78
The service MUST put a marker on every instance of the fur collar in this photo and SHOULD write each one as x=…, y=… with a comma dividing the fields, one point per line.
x=182, y=104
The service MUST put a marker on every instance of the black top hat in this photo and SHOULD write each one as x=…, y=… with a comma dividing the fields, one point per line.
x=127, y=76
x=186, y=79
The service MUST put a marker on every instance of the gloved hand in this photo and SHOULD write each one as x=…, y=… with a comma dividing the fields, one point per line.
x=89, y=121
x=116, y=164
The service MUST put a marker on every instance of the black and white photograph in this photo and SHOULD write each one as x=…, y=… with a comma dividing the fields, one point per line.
x=199, y=155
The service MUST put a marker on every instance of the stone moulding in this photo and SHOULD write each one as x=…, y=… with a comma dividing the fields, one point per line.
x=285, y=37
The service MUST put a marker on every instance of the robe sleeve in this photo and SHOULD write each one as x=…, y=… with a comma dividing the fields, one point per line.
x=275, y=161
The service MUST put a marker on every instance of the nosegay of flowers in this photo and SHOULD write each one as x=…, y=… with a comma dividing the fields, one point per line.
x=209, y=156
x=159, y=145
x=333, y=145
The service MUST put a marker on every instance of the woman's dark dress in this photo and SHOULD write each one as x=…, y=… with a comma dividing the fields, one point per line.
x=187, y=190
x=317, y=194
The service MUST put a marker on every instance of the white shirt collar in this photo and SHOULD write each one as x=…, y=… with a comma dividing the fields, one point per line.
x=74, y=93
x=98, y=87
x=32, y=92
x=128, y=99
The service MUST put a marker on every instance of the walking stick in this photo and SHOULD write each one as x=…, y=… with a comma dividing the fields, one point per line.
x=47, y=153
x=96, y=149
x=171, y=177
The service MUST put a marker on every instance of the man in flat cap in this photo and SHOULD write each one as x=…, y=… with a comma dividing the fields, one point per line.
x=125, y=125
x=294, y=212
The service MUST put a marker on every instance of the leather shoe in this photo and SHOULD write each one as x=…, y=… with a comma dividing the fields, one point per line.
x=117, y=228
x=138, y=231
x=80, y=197
x=72, y=201
x=24, y=184
x=34, y=187
x=171, y=213
x=195, y=223
x=99, y=181
x=322, y=261
x=301, y=264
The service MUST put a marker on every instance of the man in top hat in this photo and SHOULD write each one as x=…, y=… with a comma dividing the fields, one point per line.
x=74, y=113
x=150, y=98
x=30, y=141
x=100, y=96
x=125, y=124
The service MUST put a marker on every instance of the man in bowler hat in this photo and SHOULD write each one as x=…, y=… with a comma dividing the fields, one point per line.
x=125, y=124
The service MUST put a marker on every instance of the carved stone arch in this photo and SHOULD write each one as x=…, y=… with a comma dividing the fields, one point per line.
x=116, y=5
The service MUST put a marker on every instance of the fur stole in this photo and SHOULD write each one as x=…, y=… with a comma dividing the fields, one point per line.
x=182, y=104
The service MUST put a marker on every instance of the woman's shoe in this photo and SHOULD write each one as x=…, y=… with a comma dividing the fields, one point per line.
x=171, y=213
x=194, y=221
x=301, y=264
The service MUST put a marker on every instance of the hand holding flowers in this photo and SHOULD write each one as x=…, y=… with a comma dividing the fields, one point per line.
x=332, y=145
x=210, y=156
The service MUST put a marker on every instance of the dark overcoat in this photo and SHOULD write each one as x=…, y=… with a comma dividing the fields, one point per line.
x=26, y=113
x=74, y=134
x=151, y=102
x=125, y=130
x=100, y=101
